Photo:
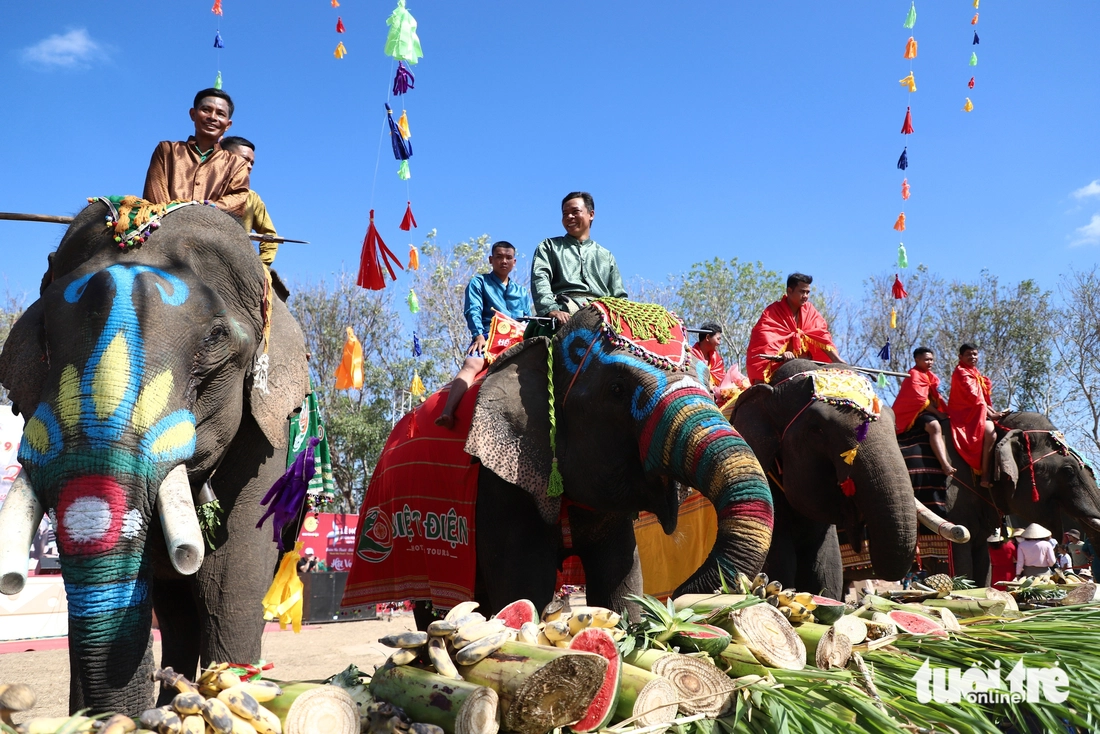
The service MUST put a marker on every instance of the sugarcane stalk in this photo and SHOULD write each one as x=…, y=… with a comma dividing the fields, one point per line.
x=313, y=708
x=969, y=607
x=459, y=707
x=645, y=658
x=707, y=602
x=739, y=661
x=645, y=698
x=540, y=688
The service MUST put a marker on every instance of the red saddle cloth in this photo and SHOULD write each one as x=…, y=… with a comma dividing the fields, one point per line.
x=416, y=526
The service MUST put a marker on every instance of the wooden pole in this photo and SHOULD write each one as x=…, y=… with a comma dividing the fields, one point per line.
x=49, y=218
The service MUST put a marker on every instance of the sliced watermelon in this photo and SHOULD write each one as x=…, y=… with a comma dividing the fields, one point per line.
x=701, y=638
x=516, y=613
x=916, y=624
x=600, y=641
x=829, y=610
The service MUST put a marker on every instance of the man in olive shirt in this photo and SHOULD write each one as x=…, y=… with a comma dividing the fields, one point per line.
x=255, y=219
x=573, y=267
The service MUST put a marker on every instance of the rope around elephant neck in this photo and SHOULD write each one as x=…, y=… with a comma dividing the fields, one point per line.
x=1031, y=460
x=580, y=366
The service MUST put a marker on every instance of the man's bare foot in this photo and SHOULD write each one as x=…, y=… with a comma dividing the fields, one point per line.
x=446, y=420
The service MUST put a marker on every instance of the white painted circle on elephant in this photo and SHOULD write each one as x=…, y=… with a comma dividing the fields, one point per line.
x=87, y=519
x=131, y=524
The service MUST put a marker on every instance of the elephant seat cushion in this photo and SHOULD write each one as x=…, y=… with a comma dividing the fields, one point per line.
x=416, y=525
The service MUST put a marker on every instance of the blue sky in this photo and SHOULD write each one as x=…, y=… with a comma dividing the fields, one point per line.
x=759, y=130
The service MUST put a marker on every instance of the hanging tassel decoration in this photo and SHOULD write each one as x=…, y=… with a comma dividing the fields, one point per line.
x=903, y=160
x=218, y=40
x=970, y=83
x=969, y=106
x=349, y=373
x=414, y=258
x=884, y=353
x=413, y=301
x=899, y=225
x=976, y=41
x=849, y=456
x=340, y=51
x=905, y=189
x=903, y=257
x=907, y=124
x=402, y=147
x=974, y=20
x=218, y=81
x=403, y=171
x=881, y=381
x=403, y=126
x=403, y=80
x=861, y=430
x=408, y=222
x=911, y=16
x=911, y=48
x=217, y=9
x=976, y=4
x=973, y=58
x=848, y=487
x=339, y=24
x=402, y=42
x=417, y=352
x=287, y=495
x=909, y=81
x=899, y=290
x=374, y=255
x=335, y=3
x=893, y=318
x=417, y=386
x=283, y=600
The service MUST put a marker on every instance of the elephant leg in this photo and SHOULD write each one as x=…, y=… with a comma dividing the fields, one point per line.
x=782, y=560
x=517, y=553
x=820, y=567
x=609, y=553
x=178, y=620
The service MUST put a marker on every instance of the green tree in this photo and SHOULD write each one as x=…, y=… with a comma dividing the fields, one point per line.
x=10, y=310
x=1077, y=352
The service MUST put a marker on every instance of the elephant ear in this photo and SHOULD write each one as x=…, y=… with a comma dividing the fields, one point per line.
x=1004, y=453
x=510, y=432
x=274, y=399
x=24, y=362
x=753, y=417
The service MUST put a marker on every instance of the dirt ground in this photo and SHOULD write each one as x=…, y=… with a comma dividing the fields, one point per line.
x=317, y=652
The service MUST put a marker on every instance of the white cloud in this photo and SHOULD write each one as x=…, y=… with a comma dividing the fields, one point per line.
x=1089, y=234
x=67, y=51
x=1093, y=189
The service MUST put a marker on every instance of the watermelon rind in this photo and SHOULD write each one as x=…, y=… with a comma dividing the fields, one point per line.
x=916, y=624
x=515, y=614
x=701, y=638
x=829, y=610
x=598, y=640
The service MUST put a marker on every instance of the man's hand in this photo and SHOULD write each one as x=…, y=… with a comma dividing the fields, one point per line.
x=560, y=316
x=788, y=356
x=477, y=347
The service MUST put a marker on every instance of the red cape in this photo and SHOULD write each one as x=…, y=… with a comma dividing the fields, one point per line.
x=777, y=332
x=918, y=391
x=967, y=409
x=715, y=363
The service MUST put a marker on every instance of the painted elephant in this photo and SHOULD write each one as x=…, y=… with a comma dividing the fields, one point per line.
x=154, y=361
x=631, y=428
x=1037, y=478
x=804, y=428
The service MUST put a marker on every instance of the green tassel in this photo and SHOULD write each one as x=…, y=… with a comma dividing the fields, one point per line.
x=973, y=59
x=210, y=519
x=556, y=489
x=903, y=257
x=413, y=301
x=218, y=81
x=911, y=18
x=403, y=172
x=881, y=381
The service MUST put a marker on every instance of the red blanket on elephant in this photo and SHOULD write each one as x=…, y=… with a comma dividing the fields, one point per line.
x=967, y=407
x=416, y=528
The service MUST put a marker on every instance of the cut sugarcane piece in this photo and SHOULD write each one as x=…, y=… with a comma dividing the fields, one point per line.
x=703, y=688
x=1082, y=594
x=988, y=593
x=825, y=647
x=458, y=706
x=646, y=698
x=852, y=627
x=967, y=607
x=769, y=636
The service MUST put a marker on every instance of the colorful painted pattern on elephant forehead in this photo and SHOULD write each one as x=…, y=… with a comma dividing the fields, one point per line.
x=648, y=331
x=113, y=400
x=845, y=389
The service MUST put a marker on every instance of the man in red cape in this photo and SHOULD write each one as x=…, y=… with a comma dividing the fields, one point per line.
x=919, y=403
x=971, y=412
x=790, y=328
x=706, y=350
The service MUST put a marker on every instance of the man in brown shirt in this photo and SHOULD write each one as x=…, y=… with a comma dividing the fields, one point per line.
x=198, y=169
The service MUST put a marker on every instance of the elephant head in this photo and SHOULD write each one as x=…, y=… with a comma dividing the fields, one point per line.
x=830, y=448
x=625, y=427
x=134, y=370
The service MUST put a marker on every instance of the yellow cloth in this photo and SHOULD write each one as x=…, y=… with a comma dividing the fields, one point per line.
x=283, y=600
x=256, y=219
x=844, y=387
x=669, y=560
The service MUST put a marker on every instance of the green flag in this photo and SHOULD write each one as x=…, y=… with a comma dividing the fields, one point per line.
x=304, y=426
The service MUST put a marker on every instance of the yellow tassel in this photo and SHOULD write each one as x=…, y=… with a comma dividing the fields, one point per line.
x=910, y=82
x=969, y=106
x=283, y=600
x=893, y=318
x=417, y=386
x=849, y=456
x=403, y=125
x=414, y=258
x=340, y=51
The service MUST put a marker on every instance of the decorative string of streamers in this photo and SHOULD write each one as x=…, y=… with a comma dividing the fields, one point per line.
x=218, y=43
x=968, y=106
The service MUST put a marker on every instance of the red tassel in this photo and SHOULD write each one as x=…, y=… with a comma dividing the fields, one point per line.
x=371, y=276
x=339, y=24
x=217, y=9
x=905, y=189
x=848, y=487
x=907, y=126
x=899, y=289
x=409, y=221
x=971, y=83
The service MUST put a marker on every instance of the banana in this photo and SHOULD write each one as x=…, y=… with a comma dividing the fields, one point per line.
x=51, y=724
x=553, y=610
x=186, y=704
x=242, y=725
x=563, y=643
x=605, y=618
x=785, y=611
x=773, y=587
x=162, y=720
x=441, y=628
x=240, y=702
x=475, y=631
x=806, y=599
x=760, y=580
x=118, y=724
x=265, y=722
x=261, y=690
x=617, y=634
x=797, y=610
x=773, y=600
x=227, y=679
x=460, y=610
x=556, y=630
x=425, y=729
x=405, y=656
x=405, y=639
x=192, y=725
x=529, y=633
x=578, y=622
x=218, y=716
x=477, y=651
x=544, y=640
x=437, y=653
x=785, y=597
x=469, y=619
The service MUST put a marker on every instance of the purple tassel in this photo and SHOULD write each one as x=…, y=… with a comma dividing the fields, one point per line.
x=218, y=40
x=903, y=162
x=403, y=80
x=861, y=432
x=288, y=494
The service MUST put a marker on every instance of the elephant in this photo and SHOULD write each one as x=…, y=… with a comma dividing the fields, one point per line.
x=154, y=366
x=1036, y=478
x=804, y=434
x=629, y=430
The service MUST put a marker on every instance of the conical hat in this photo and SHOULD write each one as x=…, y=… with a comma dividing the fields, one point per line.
x=996, y=537
x=1034, y=531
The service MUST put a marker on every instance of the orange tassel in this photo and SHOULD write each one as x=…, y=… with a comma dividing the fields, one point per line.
x=217, y=9
x=414, y=258
x=900, y=224
x=911, y=48
x=974, y=20
x=905, y=188
x=335, y=3
x=350, y=372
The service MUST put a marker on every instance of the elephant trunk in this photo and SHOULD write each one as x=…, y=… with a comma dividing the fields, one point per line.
x=884, y=497
x=689, y=438
x=20, y=515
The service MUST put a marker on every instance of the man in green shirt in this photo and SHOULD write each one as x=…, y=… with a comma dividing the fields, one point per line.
x=573, y=268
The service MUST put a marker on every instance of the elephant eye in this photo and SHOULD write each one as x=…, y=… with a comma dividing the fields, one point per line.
x=216, y=334
x=617, y=390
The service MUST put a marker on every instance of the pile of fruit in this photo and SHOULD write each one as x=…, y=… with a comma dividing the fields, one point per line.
x=220, y=703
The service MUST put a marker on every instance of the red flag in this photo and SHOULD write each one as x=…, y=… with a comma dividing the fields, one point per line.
x=899, y=289
x=373, y=256
x=409, y=221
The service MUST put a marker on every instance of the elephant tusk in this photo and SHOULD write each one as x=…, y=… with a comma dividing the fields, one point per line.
x=1092, y=522
x=943, y=528
x=19, y=518
x=181, y=525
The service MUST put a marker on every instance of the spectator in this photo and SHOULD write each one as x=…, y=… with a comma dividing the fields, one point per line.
x=1035, y=555
x=1002, y=557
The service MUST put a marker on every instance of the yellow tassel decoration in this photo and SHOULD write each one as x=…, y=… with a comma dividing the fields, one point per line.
x=417, y=386
x=893, y=318
x=910, y=82
x=403, y=125
x=283, y=600
x=340, y=51
x=849, y=456
x=969, y=106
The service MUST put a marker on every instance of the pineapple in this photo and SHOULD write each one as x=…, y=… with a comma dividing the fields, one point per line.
x=943, y=584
